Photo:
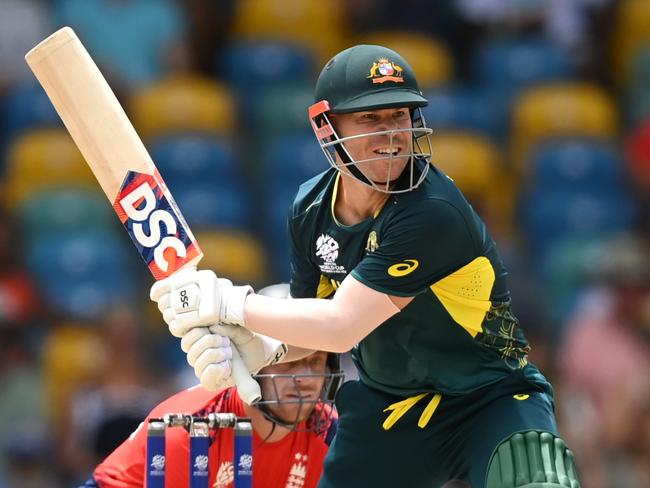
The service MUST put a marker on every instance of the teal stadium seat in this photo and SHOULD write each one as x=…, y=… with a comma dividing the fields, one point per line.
x=65, y=211
x=279, y=111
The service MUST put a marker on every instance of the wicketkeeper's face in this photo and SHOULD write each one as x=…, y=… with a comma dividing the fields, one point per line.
x=297, y=387
x=383, y=156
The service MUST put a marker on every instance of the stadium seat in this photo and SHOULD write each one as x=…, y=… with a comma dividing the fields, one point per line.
x=82, y=275
x=629, y=35
x=560, y=110
x=252, y=65
x=466, y=108
x=475, y=165
x=27, y=107
x=65, y=211
x=290, y=161
x=183, y=104
x=44, y=158
x=428, y=57
x=577, y=165
x=469, y=159
x=237, y=255
x=210, y=205
x=72, y=357
x=512, y=64
x=275, y=232
x=279, y=111
x=195, y=158
x=293, y=159
x=317, y=25
x=548, y=217
x=130, y=41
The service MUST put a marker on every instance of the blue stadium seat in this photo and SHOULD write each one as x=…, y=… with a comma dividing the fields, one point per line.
x=466, y=108
x=212, y=206
x=26, y=106
x=275, y=232
x=510, y=64
x=293, y=159
x=577, y=165
x=548, y=217
x=194, y=157
x=250, y=65
x=82, y=275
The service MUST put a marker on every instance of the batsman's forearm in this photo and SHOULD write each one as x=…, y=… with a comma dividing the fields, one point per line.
x=328, y=325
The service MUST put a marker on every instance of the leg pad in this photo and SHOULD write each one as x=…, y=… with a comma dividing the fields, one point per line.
x=532, y=459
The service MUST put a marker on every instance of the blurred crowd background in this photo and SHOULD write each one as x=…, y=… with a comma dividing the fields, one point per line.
x=541, y=113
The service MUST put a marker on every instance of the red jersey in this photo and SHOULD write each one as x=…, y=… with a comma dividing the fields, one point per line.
x=295, y=461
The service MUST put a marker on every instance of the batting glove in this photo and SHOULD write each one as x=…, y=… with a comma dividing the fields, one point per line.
x=192, y=298
x=210, y=355
x=256, y=350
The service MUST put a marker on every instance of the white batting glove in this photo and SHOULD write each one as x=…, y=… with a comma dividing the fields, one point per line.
x=192, y=298
x=256, y=350
x=210, y=355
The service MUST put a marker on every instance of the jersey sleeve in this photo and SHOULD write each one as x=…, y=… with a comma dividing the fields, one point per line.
x=304, y=275
x=419, y=245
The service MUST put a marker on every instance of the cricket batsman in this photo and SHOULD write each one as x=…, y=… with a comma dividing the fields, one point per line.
x=390, y=260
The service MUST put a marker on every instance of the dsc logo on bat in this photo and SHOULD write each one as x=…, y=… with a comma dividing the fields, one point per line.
x=154, y=223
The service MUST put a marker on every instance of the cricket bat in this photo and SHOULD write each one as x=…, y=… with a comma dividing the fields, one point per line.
x=116, y=155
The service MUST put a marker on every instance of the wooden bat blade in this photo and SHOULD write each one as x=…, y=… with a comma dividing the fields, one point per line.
x=120, y=162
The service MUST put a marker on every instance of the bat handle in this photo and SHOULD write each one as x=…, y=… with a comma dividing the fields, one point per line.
x=247, y=388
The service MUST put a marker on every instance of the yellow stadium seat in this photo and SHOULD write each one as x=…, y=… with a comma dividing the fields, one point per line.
x=183, y=104
x=315, y=24
x=44, y=158
x=560, y=110
x=428, y=57
x=475, y=165
x=73, y=355
x=235, y=255
x=471, y=160
x=630, y=34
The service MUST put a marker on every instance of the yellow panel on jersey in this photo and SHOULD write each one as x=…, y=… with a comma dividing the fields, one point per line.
x=465, y=294
x=326, y=287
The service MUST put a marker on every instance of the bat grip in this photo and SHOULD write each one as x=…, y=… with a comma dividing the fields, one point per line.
x=247, y=388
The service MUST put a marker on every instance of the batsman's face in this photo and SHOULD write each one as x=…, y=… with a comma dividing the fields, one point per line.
x=389, y=151
x=297, y=394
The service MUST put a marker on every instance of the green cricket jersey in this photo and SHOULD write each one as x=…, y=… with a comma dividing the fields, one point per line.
x=458, y=334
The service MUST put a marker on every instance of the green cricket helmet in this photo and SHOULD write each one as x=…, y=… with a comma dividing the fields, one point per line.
x=318, y=408
x=366, y=78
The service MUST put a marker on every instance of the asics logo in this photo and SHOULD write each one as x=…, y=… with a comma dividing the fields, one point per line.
x=402, y=269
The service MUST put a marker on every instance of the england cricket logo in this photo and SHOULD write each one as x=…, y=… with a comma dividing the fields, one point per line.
x=225, y=475
x=328, y=250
